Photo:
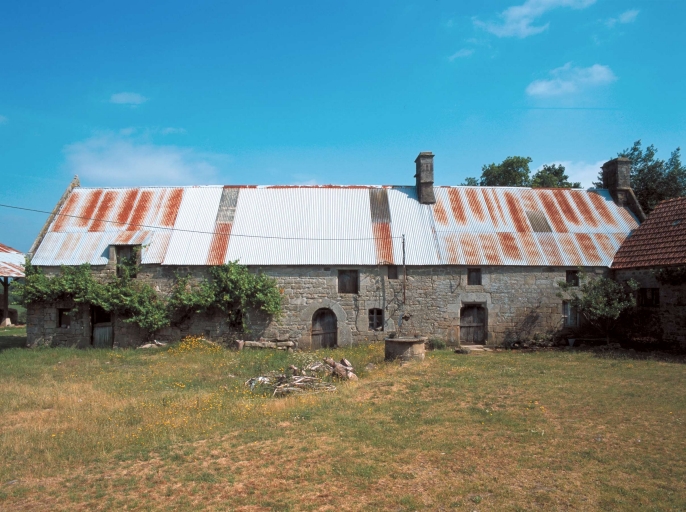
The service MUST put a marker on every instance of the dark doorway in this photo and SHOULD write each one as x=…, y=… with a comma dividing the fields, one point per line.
x=103, y=332
x=324, y=329
x=473, y=325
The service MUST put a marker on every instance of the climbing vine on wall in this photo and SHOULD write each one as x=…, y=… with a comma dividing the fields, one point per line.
x=231, y=289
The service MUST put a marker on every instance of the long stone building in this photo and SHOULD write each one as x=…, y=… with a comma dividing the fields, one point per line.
x=480, y=264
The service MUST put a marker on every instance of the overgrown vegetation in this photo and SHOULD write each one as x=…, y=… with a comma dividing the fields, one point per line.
x=600, y=300
x=231, y=289
x=177, y=429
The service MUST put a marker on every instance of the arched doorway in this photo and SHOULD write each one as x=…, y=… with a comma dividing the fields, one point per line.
x=324, y=329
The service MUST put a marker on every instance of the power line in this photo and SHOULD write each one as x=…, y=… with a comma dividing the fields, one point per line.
x=192, y=230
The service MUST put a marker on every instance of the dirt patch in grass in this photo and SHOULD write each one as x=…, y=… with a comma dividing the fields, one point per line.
x=506, y=431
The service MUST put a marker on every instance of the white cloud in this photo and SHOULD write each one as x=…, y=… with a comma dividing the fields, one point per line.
x=114, y=160
x=128, y=98
x=3, y=119
x=583, y=172
x=171, y=130
x=569, y=80
x=464, y=52
x=626, y=17
x=520, y=20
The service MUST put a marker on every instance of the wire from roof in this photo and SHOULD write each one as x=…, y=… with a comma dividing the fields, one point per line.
x=148, y=226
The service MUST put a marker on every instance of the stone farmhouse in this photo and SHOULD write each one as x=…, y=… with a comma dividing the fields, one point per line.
x=658, y=245
x=477, y=264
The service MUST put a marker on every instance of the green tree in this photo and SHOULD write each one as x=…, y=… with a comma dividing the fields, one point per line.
x=511, y=172
x=470, y=182
x=600, y=300
x=553, y=176
x=652, y=179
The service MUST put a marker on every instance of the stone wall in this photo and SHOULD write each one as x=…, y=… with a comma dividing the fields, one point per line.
x=666, y=323
x=519, y=302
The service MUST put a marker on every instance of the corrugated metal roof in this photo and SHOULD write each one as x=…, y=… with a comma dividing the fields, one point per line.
x=338, y=225
x=11, y=262
x=660, y=241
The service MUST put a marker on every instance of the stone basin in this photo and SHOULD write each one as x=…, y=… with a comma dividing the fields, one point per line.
x=406, y=349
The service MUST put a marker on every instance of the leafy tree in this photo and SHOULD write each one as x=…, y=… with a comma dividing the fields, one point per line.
x=511, y=172
x=553, y=176
x=653, y=180
x=601, y=301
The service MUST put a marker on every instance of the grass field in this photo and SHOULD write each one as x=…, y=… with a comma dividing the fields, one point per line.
x=12, y=337
x=176, y=429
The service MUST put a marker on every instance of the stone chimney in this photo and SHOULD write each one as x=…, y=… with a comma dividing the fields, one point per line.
x=617, y=179
x=425, y=177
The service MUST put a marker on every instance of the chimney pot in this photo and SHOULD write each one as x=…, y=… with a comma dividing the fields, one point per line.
x=425, y=177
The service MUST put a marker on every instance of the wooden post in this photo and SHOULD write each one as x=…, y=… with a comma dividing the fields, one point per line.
x=5, y=302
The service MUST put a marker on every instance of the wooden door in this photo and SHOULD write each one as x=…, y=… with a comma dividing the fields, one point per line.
x=324, y=329
x=103, y=330
x=472, y=325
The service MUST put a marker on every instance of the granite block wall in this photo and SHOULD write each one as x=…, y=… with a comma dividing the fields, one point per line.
x=519, y=302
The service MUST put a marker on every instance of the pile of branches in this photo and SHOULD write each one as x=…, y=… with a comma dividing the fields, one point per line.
x=301, y=380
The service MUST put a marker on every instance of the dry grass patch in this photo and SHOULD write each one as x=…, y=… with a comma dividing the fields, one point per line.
x=176, y=429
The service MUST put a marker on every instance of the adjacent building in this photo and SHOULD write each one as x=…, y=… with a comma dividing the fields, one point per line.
x=11, y=267
x=477, y=264
x=655, y=256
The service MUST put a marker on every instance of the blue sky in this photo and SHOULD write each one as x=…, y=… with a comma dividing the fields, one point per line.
x=130, y=93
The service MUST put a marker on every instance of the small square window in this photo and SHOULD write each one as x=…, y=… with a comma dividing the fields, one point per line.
x=570, y=315
x=64, y=318
x=473, y=276
x=648, y=297
x=573, y=277
x=376, y=319
x=393, y=272
x=348, y=281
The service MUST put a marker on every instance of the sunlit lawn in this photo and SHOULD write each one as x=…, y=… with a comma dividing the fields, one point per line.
x=176, y=429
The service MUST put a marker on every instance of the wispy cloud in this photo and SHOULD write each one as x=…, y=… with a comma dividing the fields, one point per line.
x=113, y=159
x=128, y=98
x=626, y=17
x=460, y=54
x=3, y=119
x=569, y=80
x=521, y=20
x=583, y=172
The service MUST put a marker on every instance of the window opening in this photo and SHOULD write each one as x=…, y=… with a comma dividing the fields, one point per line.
x=393, y=272
x=648, y=297
x=573, y=277
x=64, y=318
x=570, y=315
x=348, y=281
x=376, y=319
x=473, y=276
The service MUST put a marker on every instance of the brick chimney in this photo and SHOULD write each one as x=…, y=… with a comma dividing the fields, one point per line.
x=425, y=177
x=617, y=179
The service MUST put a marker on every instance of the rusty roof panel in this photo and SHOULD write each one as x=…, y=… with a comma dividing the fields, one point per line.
x=332, y=225
x=11, y=262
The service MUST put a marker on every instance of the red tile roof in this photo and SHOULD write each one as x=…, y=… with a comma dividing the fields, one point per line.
x=660, y=241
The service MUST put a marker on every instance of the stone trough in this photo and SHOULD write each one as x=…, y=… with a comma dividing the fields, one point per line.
x=405, y=349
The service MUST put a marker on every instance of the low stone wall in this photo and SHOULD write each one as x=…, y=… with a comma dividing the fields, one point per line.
x=519, y=302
